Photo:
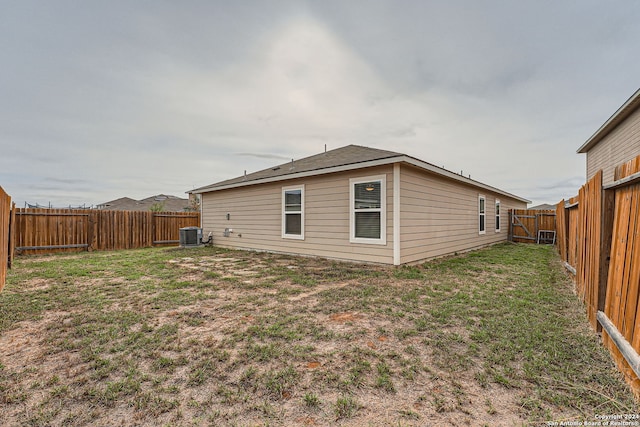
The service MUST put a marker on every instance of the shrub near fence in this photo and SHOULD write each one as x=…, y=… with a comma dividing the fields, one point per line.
x=40, y=231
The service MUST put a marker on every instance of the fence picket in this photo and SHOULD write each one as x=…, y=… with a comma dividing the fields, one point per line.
x=634, y=270
x=5, y=217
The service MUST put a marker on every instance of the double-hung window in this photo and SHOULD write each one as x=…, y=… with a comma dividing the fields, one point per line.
x=293, y=212
x=368, y=213
x=481, y=215
x=497, y=216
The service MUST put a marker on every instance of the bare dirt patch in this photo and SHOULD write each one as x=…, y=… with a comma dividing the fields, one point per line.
x=317, y=290
x=343, y=317
x=225, y=338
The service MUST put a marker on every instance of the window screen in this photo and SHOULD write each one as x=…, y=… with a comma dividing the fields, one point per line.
x=293, y=212
x=367, y=205
x=481, y=210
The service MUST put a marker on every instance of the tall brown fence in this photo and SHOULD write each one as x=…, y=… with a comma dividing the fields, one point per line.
x=589, y=245
x=600, y=243
x=5, y=214
x=621, y=304
x=39, y=231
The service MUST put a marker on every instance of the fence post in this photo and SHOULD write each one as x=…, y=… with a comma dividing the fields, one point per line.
x=12, y=234
x=90, y=231
x=153, y=228
x=5, y=216
x=567, y=227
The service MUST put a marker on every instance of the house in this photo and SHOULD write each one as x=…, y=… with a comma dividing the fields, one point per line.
x=357, y=203
x=159, y=202
x=617, y=141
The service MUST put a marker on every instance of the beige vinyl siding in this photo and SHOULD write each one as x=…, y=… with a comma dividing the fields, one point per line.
x=440, y=216
x=256, y=216
x=620, y=145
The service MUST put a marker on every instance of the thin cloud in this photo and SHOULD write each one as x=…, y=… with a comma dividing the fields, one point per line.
x=69, y=181
x=124, y=100
x=263, y=156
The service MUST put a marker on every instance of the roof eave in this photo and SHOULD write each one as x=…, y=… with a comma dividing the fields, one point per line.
x=622, y=113
x=460, y=178
x=294, y=175
x=372, y=163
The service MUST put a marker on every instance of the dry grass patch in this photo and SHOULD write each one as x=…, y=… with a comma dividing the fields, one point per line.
x=215, y=337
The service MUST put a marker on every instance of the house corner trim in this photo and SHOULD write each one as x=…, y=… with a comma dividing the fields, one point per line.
x=396, y=214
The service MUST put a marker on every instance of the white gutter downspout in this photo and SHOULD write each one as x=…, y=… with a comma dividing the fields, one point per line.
x=396, y=214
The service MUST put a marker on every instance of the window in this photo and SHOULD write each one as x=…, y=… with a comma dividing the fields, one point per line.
x=293, y=212
x=368, y=210
x=497, y=216
x=481, y=213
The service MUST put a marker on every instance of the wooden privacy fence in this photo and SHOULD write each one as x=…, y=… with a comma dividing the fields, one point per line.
x=532, y=226
x=621, y=303
x=40, y=231
x=600, y=244
x=5, y=214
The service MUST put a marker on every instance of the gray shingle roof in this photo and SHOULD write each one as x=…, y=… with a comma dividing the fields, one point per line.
x=349, y=155
x=345, y=158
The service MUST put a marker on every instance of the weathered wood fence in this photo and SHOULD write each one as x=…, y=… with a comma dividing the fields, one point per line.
x=5, y=215
x=42, y=231
x=532, y=226
x=599, y=241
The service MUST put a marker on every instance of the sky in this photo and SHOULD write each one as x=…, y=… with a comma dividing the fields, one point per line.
x=102, y=100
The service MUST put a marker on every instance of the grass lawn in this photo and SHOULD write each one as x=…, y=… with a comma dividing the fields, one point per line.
x=214, y=337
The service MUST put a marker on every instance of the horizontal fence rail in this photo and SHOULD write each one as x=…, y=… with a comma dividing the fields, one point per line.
x=43, y=231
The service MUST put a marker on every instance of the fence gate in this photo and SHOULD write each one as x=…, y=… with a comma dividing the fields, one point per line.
x=532, y=226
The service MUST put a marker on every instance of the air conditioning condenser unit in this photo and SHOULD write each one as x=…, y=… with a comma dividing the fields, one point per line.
x=190, y=237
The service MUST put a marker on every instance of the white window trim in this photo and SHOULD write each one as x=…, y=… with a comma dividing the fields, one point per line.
x=482, y=215
x=498, y=212
x=383, y=210
x=284, y=214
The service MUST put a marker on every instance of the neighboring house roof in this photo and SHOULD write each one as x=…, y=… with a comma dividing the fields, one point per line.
x=122, y=201
x=543, y=207
x=169, y=203
x=341, y=159
x=619, y=116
